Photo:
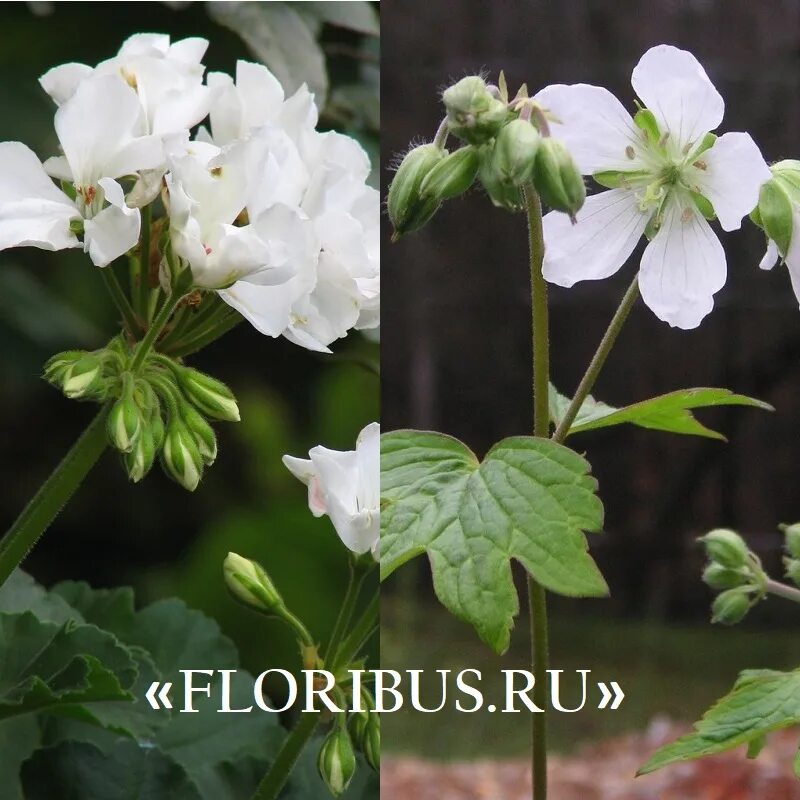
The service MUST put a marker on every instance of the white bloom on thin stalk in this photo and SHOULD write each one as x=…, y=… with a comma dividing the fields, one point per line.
x=345, y=485
x=662, y=184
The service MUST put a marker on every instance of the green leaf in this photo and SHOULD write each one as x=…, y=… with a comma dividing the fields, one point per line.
x=21, y=593
x=58, y=668
x=529, y=500
x=761, y=701
x=667, y=412
x=357, y=15
x=280, y=37
x=19, y=738
x=81, y=771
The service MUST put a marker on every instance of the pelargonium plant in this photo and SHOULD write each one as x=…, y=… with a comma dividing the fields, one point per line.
x=218, y=200
x=665, y=176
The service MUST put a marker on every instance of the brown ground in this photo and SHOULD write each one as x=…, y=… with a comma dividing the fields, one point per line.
x=604, y=772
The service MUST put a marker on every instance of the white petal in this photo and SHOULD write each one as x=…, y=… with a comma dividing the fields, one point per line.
x=33, y=211
x=62, y=81
x=266, y=308
x=771, y=256
x=733, y=175
x=609, y=226
x=260, y=91
x=189, y=51
x=674, y=86
x=58, y=167
x=793, y=254
x=682, y=267
x=181, y=109
x=226, y=113
x=113, y=231
x=594, y=125
x=140, y=44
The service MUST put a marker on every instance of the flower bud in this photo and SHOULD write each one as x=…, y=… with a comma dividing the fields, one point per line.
x=125, y=419
x=474, y=114
x=180, y=455
x=726, y=548
x=792, y=570
x=357, y=724
x=203, y=433
x=249, y=584
x=452, y=175
x=557, y=179
x=371, y=740
x=775, y=214
x=731, y=606
x=792, y=543
x=84, y=379
x=408, y=209
x=140, y=459
x=211, y=396
x=502, y=193
x=337, y=761
x=718, y=577
x=514, y=152
x=57, y=367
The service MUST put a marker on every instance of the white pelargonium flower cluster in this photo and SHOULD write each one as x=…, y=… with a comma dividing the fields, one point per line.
x=274, y=215
x=345, y=485
x=667, y=175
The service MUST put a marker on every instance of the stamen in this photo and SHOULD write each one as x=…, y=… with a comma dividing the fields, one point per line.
x=700, y=165
x=216, y=171
x=686, y=216
x=663, y=140
x=630, y=152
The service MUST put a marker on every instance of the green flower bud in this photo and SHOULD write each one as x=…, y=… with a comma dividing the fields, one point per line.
x=140, y=459
x=453, y=175
x=57, y=367
x=514, y=152
x=180, y=455
x=474, y=114
x=502, y=193
x=731, y=606
x=357, y=724
x=775, y=213
x=371, y=741
x=557, y=178
x=792, y=566
x=84, y=379
x=125, y=419
x=718, y=577
x=792, y=534
x=211, y=396
x=203, y=433
x=726, y=547
x=249, y=584
x=408, y=209
x=337, y=761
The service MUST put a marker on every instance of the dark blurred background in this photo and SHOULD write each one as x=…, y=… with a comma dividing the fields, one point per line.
x=456, y=358
x=155, y=536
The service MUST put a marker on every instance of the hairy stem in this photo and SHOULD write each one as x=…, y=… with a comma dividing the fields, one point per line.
x=537, y=598
x=52, y=496
x=598, y=360
x=146, y=345
x=782, y=590
x=143, y=287
x=121, y=301
x=345, y=611
x=358, y=636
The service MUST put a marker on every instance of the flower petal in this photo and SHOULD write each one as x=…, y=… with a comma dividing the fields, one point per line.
x=674, y=86
x=113, y=231
x=771, y=256
x=732, y=175
x=594, y=125
x=62, y=81
x=682, y=267
x=793, y=254
x=609, y=226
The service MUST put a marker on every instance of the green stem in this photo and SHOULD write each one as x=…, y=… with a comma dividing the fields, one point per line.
x=537, y=598
x=143, y=288
x=598, y=360
x=290, y=751
x=195, y=324
x=52, y=496
x=782, y=590
x=120, y=300
x=146, y=344
x=204, y=338
x=358, y=636
x=345, y=611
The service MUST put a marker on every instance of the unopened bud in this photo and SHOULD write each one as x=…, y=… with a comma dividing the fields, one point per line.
x=124, y=419
x=514, y=152
x=57, y=367
x=203, y=433
x=84, y=379
x=726, y=547
x=371, y=740
x=211, y=396
x=180, y=455
x=249, y=583
x=140, y=459
x=775, y=214
x=474, y=113
x=731, y=606
x=337, y=761
x=718, y=577
x=792, y=570
x=503, y=193
x=792, y=534
x=557, y=179
x=408, y=209
x=452, y=175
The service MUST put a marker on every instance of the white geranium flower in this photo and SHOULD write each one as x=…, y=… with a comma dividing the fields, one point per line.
x=665, y=173
x=345, y=485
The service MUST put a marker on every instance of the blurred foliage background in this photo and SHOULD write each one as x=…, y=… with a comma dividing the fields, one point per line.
x=456, y=358
x=154, y=536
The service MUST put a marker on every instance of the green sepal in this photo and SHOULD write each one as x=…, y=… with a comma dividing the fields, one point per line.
x=775, y=209
x=645, y=120
x=618, y=179
x=703, y=205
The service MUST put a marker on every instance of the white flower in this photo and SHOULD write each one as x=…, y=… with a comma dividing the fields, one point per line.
x=345, y=485
x=662, y=183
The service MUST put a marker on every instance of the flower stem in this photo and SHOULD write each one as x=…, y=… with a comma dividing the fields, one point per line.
x=121, y=301
x=346, y=610
x=358, y=636
x=290, y=751
x=782, y=590
x=52, y=496
x=537, y=597
x=146, y=344
x=205, y=337
x=143, y=287
x=598, y=360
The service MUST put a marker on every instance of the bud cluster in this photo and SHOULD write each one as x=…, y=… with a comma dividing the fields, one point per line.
x=506, y=146
x=791, y=561
x=161, y=409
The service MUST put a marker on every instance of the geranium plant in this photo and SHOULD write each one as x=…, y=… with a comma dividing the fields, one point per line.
x=666, y=176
